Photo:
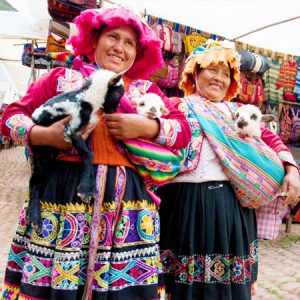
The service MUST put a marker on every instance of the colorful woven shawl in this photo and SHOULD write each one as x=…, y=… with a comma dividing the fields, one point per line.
x=156, y=163
x=252, y=167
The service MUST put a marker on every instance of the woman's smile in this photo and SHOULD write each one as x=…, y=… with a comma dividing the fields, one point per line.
x=212, y=82
x=116, y=48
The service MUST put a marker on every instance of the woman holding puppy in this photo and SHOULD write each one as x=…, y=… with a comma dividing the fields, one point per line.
x=208, y=239
x=107, y=249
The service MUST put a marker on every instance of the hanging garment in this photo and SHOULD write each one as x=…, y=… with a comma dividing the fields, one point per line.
x=287, y=79
x=270, y=77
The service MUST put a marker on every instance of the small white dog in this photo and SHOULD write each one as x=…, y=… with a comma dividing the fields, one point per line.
x=249, y=119
x=150, y=105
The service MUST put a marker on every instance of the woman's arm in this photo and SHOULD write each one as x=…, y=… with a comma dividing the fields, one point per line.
x=291, y=182
x=291, y=185
x=131, y=126
x=173, y=130
x=16, y=122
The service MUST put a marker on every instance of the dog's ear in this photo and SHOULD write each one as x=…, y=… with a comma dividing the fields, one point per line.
x=267, y=118
x=164, y=111
x=88, y=81
x=114, y=79
x=134, y=101
x=234, y=115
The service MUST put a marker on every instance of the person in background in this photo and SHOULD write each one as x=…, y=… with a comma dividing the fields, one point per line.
x=93, y=251
x=208, y=239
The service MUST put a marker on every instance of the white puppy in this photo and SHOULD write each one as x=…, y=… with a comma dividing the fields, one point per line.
x=249, y=119
x=150, y=105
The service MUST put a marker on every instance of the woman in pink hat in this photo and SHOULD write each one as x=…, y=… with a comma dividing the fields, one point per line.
x=86, y=250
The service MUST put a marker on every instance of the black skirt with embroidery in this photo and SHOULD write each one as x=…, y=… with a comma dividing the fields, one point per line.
x=208, y=242
x=54, y=263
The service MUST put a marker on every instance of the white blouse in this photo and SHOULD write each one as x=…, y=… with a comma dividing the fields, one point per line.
x=209, y=167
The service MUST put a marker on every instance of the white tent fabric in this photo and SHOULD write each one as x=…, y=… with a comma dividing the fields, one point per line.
x=9, y=88
x=17, y=25
x=29, y=22
x=233, y=18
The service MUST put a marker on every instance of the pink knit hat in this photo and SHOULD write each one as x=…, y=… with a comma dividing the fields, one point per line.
x=149, y=56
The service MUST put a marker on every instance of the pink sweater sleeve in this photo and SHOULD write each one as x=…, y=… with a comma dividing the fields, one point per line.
x=278, y=146
x=174, y=131
x=16, y=121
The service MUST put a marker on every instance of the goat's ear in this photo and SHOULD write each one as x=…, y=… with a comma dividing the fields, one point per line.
x=267, y=118
x=114, y=79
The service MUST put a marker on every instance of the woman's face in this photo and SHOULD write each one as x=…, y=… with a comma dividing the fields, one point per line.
x=213, y=82
x=116, y=48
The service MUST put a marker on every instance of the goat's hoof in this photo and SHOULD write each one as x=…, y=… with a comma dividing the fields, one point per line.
x=86, y=198
x=28, y=221
x=36, y=228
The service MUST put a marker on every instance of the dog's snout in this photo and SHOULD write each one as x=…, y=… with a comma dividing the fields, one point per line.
x=242, y=123
x=153, y=109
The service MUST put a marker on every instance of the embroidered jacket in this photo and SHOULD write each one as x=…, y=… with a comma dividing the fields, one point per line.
x=195, y=146
x=16, y=122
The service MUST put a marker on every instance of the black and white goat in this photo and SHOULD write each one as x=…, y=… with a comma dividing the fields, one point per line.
x=249, y=119
x=103, y=89
x=150, y=105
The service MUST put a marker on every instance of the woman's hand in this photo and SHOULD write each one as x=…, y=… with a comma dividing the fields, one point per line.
x=291, y=185
x=50, y=136
x=54, y=135
x=131, y=126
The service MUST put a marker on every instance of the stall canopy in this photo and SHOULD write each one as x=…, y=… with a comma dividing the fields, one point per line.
x=233, y=19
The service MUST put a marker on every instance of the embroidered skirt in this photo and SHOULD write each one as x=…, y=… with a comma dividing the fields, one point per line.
x=208, y=242
x=82, y=253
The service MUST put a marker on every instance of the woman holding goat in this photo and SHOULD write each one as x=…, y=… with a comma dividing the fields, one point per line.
x=107, y=249
x=208, y=225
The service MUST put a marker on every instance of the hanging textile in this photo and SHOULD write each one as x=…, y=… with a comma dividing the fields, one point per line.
x=297, y=84
x=273, y=95
x=287, y=79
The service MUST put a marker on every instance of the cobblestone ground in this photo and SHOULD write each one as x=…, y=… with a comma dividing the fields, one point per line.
x=279, y=268
x=14, y=177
